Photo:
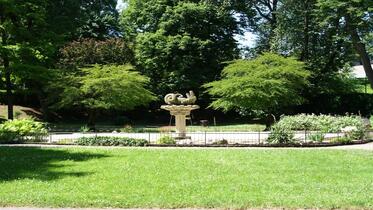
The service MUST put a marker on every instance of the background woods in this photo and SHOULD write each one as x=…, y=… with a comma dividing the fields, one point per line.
x=49, y=47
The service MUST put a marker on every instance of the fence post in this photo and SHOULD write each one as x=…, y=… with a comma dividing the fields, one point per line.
x=205, y=138
x=50, y=137
x=149, y=137
x=305, y=136
x=259, y=137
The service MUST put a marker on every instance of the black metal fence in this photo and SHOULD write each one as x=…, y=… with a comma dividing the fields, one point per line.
x=211, y=138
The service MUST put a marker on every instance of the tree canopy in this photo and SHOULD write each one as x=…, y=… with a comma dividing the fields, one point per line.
x=103, y=87
x=180, y=44
x=268, y=83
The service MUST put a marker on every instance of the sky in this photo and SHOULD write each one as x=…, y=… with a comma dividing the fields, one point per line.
x=120, y=5
x=248, y=39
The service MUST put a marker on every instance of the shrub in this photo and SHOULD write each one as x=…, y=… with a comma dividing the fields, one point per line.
x=343, y=140
x=127, y=129
x=22, y=130
x=324, y=123
x=166, y=140
x=353, y=133
x=318, y=137
x=110, y=141
x=84, y=129
x=280, y=135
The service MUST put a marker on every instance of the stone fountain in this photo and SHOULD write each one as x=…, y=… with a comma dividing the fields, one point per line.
x=180, y=107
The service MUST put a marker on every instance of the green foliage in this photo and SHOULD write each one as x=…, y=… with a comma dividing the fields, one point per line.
x=357, y=12
x=83, y=19
x=267, y=83
x=22, y=130
x=315, y=31
x=318, y=137
x=180, y=44
x=280, y=135
x=166, y=140
x=103, y=88
x=342, y=140
x=84, y=52
x=127, y=129
x=111, y=141
x=324, y=123
x=84, y=129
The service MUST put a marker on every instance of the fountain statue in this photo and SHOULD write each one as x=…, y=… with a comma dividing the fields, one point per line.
x=180, y=107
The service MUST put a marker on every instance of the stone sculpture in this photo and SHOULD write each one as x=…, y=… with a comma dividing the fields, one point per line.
x=180, y=107
x=179, y=99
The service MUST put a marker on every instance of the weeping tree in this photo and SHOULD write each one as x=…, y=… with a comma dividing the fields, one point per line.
x=267, y=84
x=102, y=87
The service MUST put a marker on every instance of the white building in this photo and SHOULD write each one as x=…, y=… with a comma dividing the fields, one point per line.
x=358, y=71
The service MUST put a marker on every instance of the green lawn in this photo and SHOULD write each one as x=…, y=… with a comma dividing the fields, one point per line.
x=171, y=178
x=225, y=128
x=143, y=128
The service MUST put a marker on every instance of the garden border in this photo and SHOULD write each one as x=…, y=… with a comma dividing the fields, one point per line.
x=293, y=145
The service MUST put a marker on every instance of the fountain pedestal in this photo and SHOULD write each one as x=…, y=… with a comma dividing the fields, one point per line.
x=180, y=112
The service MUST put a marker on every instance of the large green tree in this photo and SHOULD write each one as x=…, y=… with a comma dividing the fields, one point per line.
x=31, y=32
x=83, y=19
x=180, y=44
x=266, y=84
x=97, y=75
x=102, y=87
x=300, y=33
x=22, y=29
x=355, y=20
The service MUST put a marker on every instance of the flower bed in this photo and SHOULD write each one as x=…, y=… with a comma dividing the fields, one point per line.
x=351, y=127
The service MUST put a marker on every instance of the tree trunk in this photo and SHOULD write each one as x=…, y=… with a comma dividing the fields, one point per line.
x=92, y=114
x=9, y=93
x=8, y=82
x=43, y=105
x=269, y=121
x=270, y=15
x=273, y=23
x=360, y=49
x=304, y=55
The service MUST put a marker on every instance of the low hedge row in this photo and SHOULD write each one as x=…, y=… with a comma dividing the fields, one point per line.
x=111, y=141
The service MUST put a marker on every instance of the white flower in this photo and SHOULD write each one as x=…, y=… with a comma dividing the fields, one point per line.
x=349, y=129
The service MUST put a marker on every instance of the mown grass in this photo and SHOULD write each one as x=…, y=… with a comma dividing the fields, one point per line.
x=172, y=178
x=217, y=128
x=155, y=129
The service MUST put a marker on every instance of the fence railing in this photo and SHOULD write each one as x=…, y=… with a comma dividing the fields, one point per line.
x=208, y=138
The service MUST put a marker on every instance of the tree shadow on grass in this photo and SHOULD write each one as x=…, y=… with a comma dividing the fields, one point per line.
x=39, y=163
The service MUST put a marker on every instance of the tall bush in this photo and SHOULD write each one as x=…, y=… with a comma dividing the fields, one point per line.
x=268, y=84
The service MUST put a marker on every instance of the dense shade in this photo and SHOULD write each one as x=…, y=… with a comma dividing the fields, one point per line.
x=172, y=178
